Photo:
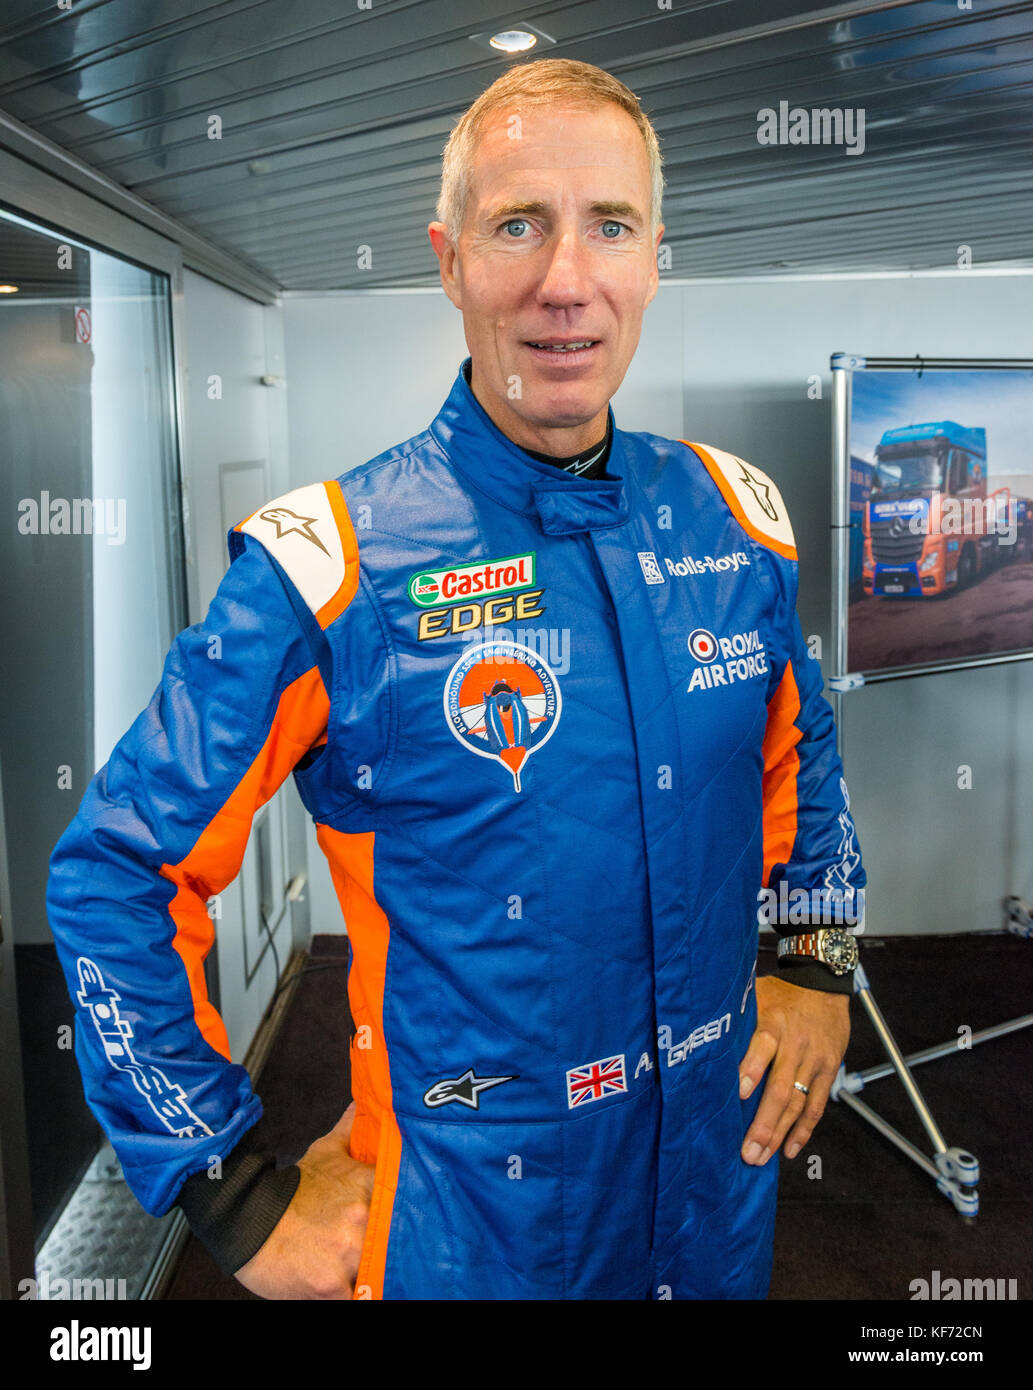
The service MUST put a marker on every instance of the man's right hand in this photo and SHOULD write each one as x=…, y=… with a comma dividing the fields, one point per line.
x=313, y=1250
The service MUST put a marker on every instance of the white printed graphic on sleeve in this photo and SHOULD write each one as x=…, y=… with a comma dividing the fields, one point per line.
x=837, y=875
x=166, y=1098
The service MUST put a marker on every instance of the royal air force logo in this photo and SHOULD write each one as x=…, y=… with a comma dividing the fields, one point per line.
x=725, y=660
x=503, y=702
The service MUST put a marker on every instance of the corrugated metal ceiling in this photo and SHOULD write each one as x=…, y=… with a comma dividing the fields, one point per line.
x=333, y=119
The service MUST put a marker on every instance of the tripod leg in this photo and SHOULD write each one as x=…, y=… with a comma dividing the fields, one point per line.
x=862, y=987
x=955, y=1170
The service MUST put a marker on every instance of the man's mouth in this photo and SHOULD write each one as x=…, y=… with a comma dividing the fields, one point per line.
x=564, y=354
x=553, y=346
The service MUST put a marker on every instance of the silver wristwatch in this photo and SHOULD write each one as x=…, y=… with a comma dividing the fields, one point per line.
x=832, y=946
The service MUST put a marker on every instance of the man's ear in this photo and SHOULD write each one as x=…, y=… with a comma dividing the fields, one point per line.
x=444, y=249
x=654, y=277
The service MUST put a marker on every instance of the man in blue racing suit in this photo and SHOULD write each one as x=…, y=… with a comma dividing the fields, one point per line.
x=542, y=687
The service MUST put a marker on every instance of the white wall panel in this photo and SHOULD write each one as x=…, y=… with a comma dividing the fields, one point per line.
x=731, y=364
x=235, y=456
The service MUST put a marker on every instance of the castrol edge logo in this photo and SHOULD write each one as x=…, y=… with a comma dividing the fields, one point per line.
x=480, y=580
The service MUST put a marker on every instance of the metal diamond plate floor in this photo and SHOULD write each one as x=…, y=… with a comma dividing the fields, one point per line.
x=102, y=1235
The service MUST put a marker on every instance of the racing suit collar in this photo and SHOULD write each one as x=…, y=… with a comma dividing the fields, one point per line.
x=563, y=502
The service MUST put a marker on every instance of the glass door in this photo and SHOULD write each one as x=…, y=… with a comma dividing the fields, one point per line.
x=91, y=551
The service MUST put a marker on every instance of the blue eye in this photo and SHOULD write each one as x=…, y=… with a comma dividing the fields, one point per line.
x=515, y=222
x=617, y=226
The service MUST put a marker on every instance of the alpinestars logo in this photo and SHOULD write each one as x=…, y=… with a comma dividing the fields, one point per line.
x=837, y=875
x=165, y=1097
x=287, y=521
x=760, y=490
x=744, y=658
x=465, y=1089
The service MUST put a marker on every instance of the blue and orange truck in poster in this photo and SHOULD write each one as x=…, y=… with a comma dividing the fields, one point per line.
x=931, y=524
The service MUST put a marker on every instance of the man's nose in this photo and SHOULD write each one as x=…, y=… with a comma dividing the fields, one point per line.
x=568, y=274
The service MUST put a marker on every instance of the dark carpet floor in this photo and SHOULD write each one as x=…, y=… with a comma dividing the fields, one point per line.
x=873, y=1221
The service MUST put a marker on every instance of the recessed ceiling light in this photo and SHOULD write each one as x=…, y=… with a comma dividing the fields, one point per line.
x=8, y=289
x=521, y=38
x=513, y=40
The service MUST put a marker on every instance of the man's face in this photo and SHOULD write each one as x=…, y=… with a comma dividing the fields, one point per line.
x=555, y=249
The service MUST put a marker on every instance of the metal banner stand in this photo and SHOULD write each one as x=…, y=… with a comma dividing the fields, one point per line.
x=955, y=1171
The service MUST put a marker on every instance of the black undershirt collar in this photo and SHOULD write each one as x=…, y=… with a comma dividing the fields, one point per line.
x=587, y=463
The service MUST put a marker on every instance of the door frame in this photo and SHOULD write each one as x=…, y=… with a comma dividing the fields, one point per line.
x=46, y=185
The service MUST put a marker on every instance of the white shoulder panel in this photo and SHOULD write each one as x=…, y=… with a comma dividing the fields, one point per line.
x=758, y=496
x=300, y=531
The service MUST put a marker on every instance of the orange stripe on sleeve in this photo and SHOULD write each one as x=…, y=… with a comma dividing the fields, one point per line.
x=335, y=606
x=301, y=718
x=375, y=1136
x=781, y=771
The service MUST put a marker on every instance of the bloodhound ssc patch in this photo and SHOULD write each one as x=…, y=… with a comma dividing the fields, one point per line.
x=502, y=702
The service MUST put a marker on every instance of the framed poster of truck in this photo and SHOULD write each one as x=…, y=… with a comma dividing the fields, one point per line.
x=933, y=515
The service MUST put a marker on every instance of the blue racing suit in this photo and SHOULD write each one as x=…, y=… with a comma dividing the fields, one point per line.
x=557, y=734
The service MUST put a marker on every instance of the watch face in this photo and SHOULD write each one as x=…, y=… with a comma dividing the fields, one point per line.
x=840, y=950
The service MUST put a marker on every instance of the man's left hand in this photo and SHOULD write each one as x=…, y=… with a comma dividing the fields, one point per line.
x=802, y=1034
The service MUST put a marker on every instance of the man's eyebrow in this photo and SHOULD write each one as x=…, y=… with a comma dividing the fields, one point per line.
x=536, y=207
x=616, y=209
x=532, y=207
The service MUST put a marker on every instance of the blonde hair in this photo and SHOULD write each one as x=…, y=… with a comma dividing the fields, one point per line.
x=543, y=83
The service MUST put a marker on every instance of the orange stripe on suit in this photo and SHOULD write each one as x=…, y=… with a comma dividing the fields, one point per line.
x=335, y=606
x=375, y=1137
x=214, y=861
x=781, y=771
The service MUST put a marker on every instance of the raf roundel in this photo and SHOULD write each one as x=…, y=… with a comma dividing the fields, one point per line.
x=702, y=644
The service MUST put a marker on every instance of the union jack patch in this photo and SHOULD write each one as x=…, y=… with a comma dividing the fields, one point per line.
x=595, y=1080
